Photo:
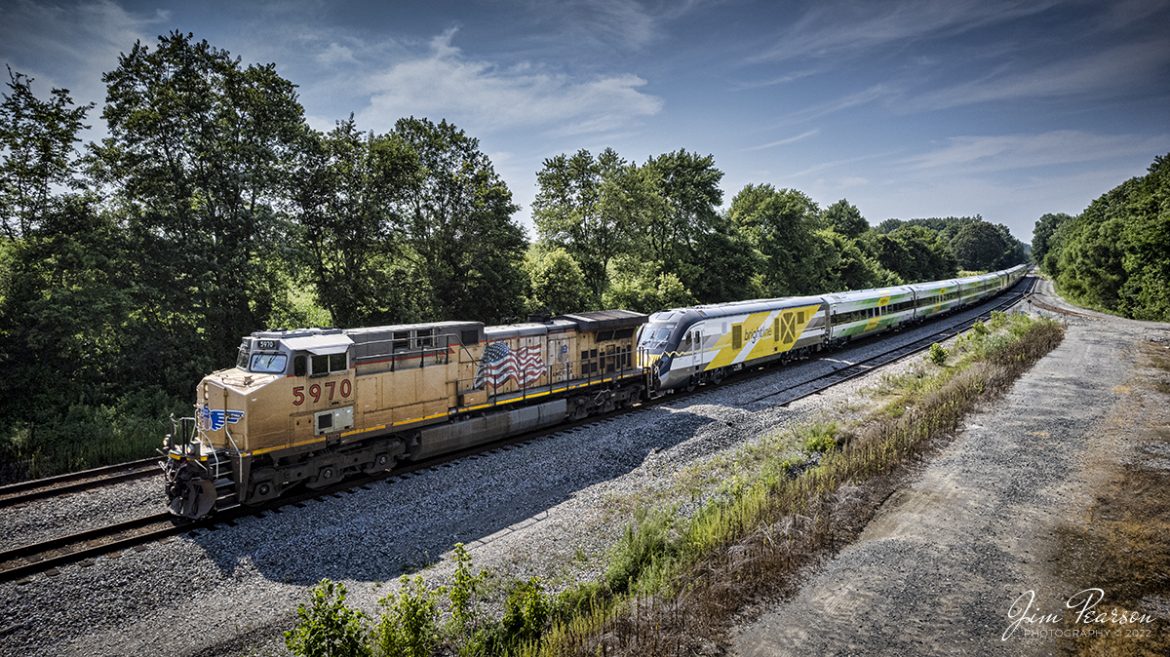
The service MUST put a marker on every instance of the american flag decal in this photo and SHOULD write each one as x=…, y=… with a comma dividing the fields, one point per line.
x=500, y=363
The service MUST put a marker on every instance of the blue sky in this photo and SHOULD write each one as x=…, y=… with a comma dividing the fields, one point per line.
x=906, y=108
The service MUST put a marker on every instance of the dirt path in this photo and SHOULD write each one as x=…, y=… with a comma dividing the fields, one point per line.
x=939, y=567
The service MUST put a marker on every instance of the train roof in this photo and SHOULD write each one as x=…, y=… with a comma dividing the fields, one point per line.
x=716, y=310
x=876, y=292
x=605, y=320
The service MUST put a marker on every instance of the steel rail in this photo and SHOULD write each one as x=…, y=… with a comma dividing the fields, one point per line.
x=35, y=489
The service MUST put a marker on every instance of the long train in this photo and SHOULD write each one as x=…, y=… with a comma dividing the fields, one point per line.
x=308, y=407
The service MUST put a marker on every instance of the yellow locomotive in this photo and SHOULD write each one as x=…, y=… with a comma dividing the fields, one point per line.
x=311, y=406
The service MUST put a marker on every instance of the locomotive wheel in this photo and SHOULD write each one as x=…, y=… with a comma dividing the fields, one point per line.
x=381, y=462
x=325, y=476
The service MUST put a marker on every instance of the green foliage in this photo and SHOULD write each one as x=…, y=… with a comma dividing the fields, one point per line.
x=459, y=225
x=781, y=225
x=979, y=245
x=841, y=265
x=976, y=244
x=687, y=222
x=637, y=288
x=938, y=354
x=326, y=627
x=914, y=253
x=1043, y=233
x=464, y=593
x=820, y=438
x=409, y=623
x=645, y=543
x=592, y=208
x=36, y=138
x=1114, y=255
x=527, y=612
x=348, y=193
x=662, y=214
x=843, y=217
x=185, y=121
x=557, y=283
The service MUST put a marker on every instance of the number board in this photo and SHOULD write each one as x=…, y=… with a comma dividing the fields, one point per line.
x=266, y=344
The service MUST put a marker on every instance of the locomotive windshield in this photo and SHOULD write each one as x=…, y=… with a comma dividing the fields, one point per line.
x=654, y=337
x=268, y=363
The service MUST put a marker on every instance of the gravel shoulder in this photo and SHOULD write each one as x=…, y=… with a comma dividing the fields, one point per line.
x=938, y=567
x=550, y=508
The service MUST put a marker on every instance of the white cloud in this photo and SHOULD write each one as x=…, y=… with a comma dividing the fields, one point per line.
x=1131, y=65
x=623, y=24
x=834, y=28
x=867, y=96
x=482, y=96
x=808, y=134
x=335, y=54
x=71, y=46
x=988, y=154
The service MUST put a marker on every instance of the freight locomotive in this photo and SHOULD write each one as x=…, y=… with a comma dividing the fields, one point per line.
x=308, y=407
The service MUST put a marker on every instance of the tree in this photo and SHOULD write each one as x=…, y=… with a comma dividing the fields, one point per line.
x=914, y=253
x=458, y=215
x=688, y=186
x=724, y=266
x=844, y=218
x=1042, y=233
x=557, y=283
x=589, y=207
x=781, y=226
x=841, y=265
x=1114, y=255
x=979, y=246
x=348, y=193
x=36, y=138
x=637, y=286
x=199, y=150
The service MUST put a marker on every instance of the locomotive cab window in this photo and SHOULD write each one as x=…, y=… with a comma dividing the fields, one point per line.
x=265, y=363
x=322, y=364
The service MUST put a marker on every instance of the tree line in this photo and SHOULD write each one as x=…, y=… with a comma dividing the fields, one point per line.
x=615, y=233
x=132, y=266
x=1115, y=255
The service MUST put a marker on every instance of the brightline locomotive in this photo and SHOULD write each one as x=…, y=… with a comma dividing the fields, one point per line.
x=309, y=407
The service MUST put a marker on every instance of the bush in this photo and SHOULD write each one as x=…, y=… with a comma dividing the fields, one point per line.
x=938, y=354
x=409, y=625
x=645, y=542
x=326, y=627
x=821, y=438
x=464, y=592
x=527, y=612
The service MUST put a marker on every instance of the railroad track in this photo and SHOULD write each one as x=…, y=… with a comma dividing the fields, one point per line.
x=47, y=556
x=36, y=489
x=1057, y=309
